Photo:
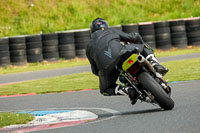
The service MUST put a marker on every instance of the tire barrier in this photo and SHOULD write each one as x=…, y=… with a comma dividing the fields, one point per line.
x=70, y=44
x=193, y=31
x=147, y=32
x=163, y=36
x=66, y=44
x=50, y=47
x=4, y=52
x=178, y=33
x=81, y=40
x=34, y=48
x=17, y=47
x=118, y=27
x=130, y=28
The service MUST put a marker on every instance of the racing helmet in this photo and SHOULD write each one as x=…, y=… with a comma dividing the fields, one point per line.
x=98, y=24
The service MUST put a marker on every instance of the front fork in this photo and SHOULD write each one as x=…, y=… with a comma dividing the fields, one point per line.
x=163, y=83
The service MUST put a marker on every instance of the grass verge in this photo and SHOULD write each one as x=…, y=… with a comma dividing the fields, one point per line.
x=183, y=70
x=179, y=71
x=79, y=62
x=7, y=118
x=35, y=16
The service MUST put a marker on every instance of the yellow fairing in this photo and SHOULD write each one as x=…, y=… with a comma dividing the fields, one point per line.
x=129, y=62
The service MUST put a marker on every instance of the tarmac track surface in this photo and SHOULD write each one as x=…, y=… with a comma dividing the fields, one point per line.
x=116, y=114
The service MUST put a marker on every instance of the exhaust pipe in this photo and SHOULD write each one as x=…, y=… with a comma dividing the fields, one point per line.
x=144, y=61
x=140, y=58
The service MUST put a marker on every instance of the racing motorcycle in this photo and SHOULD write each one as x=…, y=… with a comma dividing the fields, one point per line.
x=149, y=84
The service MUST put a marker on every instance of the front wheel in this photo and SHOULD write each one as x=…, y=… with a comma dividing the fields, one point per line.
x=156, y=90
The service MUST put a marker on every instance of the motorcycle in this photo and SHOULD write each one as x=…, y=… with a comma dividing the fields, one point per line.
x=149, y=84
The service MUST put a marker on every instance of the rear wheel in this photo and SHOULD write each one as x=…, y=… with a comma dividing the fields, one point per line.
x=156, y=90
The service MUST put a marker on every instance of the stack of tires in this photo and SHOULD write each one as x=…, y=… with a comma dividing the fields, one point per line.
x=130, y=28
x=118, y=27
x=147, y=32
x=50, y=47
x=193, y=31
x=163, y=35
x=34, y=48
x=18, y=50
x=178, y=33
x=81, y=41
x=66, y=44
x=4, y=52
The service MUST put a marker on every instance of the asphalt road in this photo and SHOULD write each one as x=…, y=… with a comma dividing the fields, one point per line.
x=116, y=113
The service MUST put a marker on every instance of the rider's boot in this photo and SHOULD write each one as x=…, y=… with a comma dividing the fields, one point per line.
x=123, y=90
x=159, y=68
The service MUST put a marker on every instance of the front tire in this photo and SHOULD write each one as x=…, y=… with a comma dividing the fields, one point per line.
x=156, y=90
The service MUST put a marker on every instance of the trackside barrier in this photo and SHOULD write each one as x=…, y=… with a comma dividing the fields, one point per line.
x=162, y=35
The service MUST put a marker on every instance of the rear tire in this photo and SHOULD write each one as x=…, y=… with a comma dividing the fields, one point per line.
x=156, y=90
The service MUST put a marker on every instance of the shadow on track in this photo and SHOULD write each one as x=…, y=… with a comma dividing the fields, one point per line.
x=142, y=111
x=131, y=113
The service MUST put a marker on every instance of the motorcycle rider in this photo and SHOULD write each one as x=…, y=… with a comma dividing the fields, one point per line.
x=104, y=51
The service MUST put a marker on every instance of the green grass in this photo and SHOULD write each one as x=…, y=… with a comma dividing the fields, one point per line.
x=79, y=62
x=55, y=84
x=179, y=71
x=14, y=118
x=19, y=17
x=183, y=70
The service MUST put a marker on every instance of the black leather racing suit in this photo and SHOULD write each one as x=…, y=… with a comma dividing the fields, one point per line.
x=104, y=51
